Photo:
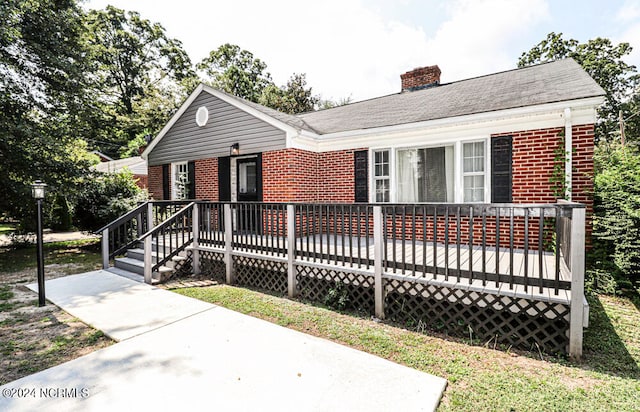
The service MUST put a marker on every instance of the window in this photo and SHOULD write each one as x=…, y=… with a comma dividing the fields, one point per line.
x=381, y=175
x=473, y=171
x=425, y=175
x=247, y=178
x=180, y=180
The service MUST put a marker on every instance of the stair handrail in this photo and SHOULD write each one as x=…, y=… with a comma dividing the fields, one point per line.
x=147, y=240
x=127, y=216
x=165, y=222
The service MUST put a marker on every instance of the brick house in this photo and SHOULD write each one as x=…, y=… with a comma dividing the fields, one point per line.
x=506, y=137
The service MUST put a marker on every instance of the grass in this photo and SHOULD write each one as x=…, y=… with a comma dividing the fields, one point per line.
x=35, y=338
x=479, y=379
x=7, y=228
x=82, y=253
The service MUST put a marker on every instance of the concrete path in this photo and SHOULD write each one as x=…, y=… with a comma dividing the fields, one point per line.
x=178, y=353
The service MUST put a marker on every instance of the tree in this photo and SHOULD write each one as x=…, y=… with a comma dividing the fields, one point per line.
x=138, y=75
x=292, y=98
x=43, y=68
x=236, y=71
x=604, y=63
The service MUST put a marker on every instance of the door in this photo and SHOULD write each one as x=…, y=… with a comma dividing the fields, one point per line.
x=248, y=190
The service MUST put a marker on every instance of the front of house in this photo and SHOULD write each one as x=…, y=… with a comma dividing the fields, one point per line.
x=501, y=138
x=440, y=203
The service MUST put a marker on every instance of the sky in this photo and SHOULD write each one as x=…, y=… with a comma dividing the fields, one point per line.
x=357, y=49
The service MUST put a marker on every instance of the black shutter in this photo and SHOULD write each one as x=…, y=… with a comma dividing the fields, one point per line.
x=191, y=170
x=259, y=176
x=501, y=169
x=224, y=179
x=165, y=182
x=361, y=167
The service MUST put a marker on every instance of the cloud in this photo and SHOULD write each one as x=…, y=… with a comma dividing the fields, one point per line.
x=347, y=47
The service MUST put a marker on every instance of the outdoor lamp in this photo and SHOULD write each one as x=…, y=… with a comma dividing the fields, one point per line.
x=235, y=149
x=38, y=191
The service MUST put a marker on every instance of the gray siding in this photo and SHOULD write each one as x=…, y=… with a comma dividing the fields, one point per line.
x=227, y=125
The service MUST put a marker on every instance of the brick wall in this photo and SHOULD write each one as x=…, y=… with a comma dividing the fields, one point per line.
x=289, y=175
x=207, y=179
x=155, y=182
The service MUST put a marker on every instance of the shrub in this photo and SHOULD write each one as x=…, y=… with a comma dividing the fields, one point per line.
x=615, y=257
x=105, y=198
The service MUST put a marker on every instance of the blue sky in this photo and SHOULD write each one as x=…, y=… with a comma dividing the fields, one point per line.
x=359, y=48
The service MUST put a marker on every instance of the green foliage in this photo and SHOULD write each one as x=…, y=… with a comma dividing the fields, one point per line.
x=337, y=297
x=236, y=71
x=294, y=98
x=604, y=63
x=138, y=74
x=616, y=224
x=105, y=198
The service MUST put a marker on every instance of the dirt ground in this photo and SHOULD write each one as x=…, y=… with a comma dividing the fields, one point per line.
x=35, y=338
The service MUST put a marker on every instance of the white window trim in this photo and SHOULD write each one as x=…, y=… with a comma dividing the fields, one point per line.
x=374, y=178
x=458, y=156
x=174, y=170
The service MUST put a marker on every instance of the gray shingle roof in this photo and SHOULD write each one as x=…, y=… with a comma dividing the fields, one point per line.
x=545, y=83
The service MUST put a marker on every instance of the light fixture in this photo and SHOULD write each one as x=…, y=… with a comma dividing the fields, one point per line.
x=235, y=149
x=37, y=189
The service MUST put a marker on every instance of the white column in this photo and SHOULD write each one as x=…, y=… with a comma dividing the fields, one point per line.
x=195, y=222
x=377, y=262
x=105, y=249
x=568, y=143
x=148, y=261
x=577, y=282
x=291, y=250
x=228, y=239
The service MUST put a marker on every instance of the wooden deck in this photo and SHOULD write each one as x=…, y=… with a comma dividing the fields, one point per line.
x=409, y=259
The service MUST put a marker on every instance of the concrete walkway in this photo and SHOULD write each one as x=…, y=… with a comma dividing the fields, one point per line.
x=178, y=353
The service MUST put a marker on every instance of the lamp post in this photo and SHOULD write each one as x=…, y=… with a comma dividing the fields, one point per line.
x=37, y=190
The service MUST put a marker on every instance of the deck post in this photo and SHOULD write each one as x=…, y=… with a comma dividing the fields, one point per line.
x=228, y=243
x=195, y=230
x=577, y=282
x=377, y=262
x=148, y=260
x=291, y=250
x=150, y=223
x=105, y=249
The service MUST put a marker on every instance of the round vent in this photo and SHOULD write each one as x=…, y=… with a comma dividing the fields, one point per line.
x=202, y=116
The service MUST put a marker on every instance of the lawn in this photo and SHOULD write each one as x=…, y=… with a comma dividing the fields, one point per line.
x=479, y=378
x=34, y=338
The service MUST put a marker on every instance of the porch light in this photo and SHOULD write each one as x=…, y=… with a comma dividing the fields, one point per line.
x=235, y=149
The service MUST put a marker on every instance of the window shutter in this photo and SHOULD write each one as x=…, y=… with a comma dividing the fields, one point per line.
x=501, y=156
x=259, y=176
x=165, y=182
x=224, y=179
x=361, y=167
x=191, y=170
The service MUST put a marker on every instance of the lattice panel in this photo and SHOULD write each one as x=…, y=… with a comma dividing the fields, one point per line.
x=260, y=273
x=335, y=288
x=183, y=268
x=212, y=264
x=519, y=322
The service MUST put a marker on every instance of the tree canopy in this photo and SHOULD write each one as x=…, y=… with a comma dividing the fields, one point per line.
x=605, y=63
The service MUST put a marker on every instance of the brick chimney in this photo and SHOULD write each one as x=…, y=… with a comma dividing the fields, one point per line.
x=420, y=78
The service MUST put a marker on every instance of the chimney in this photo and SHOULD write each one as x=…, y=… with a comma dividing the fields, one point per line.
x=420, y=78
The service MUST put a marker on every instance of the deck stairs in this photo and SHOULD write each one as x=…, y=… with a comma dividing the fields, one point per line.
x=131, y=265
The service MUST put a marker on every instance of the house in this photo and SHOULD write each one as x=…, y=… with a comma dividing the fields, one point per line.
x=440, y=204
x=491, y=139
x=136, y=165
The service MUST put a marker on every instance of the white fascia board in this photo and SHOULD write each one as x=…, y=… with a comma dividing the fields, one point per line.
x=481, y=124
x=173, y=120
